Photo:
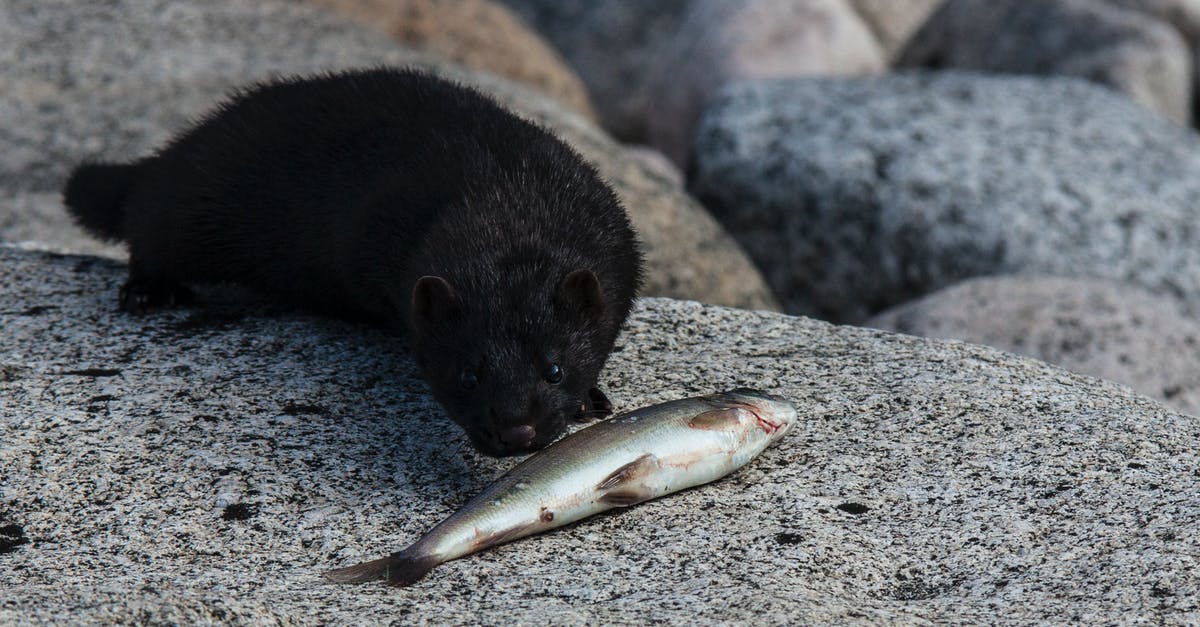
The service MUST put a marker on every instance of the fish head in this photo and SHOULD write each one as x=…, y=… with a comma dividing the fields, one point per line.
x=768, y=415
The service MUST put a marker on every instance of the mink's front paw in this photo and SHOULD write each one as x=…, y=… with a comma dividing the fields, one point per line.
x=595, y=406
x=139, y=296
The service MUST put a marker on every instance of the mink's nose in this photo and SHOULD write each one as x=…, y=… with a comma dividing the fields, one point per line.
x=520, y=436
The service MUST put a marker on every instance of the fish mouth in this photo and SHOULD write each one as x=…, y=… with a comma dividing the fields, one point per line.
x=768, y=426
x=764, y=416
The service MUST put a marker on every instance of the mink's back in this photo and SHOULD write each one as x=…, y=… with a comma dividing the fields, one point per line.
x=325, y=190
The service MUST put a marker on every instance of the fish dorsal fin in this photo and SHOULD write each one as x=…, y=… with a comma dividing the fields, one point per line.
x=725, y=419
x=630, y=472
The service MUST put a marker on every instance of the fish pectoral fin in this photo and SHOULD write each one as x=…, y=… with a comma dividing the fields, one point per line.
x=625, y=487
x=624, y=497
x=726, y=419
x=632, y=471
x=512, y=533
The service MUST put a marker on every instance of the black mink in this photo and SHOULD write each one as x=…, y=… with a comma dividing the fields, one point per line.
x=400, y=198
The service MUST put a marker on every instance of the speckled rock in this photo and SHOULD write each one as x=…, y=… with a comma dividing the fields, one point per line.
x=894, y=21
x=114, y=82
x=613, y=46
x=1100, y=328
x=1129, y=51
x=205, y=465
x=854, y=195
x=479, y=34
x=720, y=42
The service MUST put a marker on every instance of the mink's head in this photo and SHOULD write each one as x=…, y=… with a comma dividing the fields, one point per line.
x=512, y=368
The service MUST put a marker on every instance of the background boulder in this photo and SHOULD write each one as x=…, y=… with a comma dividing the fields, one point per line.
x=720, y=42
x=478, y=34
x=854, y=195
x=613, y=46
x=1101, y=328
x=1137, y=55
x=894, y=21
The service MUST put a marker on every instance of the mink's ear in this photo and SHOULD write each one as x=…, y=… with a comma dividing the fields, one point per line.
x=580, y=292
x=433, y=301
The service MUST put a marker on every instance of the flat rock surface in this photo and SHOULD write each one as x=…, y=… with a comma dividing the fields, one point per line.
x=857, y=194
x=114, y=81
x=1101, y=328
x=207, y=464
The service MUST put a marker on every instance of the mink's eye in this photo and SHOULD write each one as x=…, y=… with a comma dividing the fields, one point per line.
x=468, y=379
x=553, y=374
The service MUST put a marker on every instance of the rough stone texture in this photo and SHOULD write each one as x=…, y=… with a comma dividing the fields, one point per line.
x=720, y=42
x=478, y=34
x=894, y=21
x=854, y=195
x=613, y=46
x=207, y=464
x=1127, y=50
x=113, y=81
x=1100, y=328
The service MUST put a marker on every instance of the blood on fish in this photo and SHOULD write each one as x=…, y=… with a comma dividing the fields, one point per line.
x=767, y=426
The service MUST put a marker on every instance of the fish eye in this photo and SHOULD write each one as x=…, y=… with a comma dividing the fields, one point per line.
x=553, y=374
x=468, y=379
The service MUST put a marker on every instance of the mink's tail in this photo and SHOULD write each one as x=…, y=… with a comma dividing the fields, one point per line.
x=399, y=569
x=95, y=196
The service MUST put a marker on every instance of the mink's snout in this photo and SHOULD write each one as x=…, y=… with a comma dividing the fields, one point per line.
x=508, y=431
x=520, y=436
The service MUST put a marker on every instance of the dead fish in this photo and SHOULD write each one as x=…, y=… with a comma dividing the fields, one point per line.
x=631, y=458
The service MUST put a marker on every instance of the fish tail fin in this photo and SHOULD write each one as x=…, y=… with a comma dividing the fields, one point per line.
x=95, y=194
x=399, y=569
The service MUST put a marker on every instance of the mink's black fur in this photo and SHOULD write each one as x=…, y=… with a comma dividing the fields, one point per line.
x=405, y=199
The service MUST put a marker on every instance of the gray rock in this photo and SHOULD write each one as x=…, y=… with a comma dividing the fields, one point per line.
x=1184, y=15
x=1129, y=51
x=894, y=21
x=114, y=81
x=613, y=46
x=720, y=42
x=1099, y=328
x=854, y=195
x=206, y=465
